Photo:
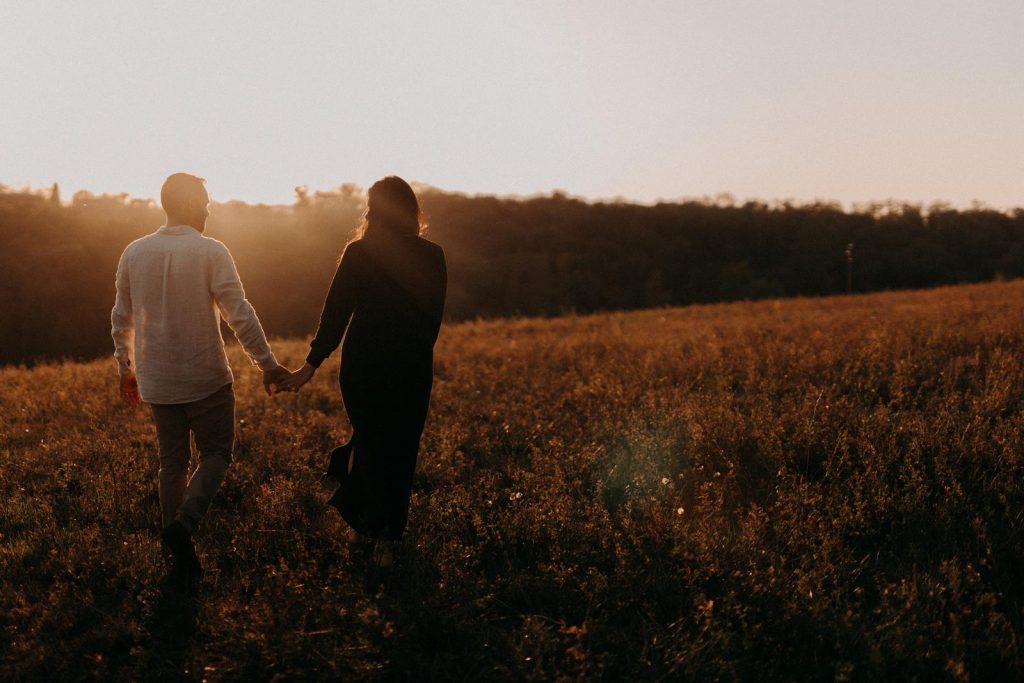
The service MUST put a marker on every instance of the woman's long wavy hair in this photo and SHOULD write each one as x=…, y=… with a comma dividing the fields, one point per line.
x=392, y=210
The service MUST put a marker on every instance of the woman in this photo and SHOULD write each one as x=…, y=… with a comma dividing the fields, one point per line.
x=391, y=283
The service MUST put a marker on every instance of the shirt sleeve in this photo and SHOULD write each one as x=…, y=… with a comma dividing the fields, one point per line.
x=337, y=310
x=122, y=327
x=227, y=292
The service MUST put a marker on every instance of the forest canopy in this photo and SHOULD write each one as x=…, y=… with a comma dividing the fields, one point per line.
x=538, y=256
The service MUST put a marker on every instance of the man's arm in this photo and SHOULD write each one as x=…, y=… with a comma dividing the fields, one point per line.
x=122, y=329
x=227, y=292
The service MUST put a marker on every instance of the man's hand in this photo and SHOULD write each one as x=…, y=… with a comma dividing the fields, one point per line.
x=130, y=390
x=272, y=379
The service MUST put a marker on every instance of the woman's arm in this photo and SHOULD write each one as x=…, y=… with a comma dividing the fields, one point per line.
x=338, y=308
x=442, y=293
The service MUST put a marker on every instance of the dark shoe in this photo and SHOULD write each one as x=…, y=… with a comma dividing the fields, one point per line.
x=179, y=541
x=182, y=579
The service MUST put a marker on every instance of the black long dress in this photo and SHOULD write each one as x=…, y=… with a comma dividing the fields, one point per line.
x=393, y=289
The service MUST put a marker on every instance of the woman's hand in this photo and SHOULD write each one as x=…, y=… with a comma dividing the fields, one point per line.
x=296, y=379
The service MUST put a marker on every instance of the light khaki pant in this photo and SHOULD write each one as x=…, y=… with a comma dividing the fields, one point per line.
x=211, y=421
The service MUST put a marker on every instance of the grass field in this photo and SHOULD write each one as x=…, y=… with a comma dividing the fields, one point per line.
x=809, y=489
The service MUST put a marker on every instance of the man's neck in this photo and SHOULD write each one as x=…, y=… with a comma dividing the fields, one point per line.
x=171, y=220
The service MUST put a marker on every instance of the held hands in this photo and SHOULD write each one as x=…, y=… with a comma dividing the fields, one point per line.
x=298, y=378
x=273, y=379
x=130, y=390
x=280, y=379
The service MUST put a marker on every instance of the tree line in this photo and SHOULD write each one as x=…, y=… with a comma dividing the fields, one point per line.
x=537, y=256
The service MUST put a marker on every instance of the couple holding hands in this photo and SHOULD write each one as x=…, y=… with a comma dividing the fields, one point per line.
x=174, y=286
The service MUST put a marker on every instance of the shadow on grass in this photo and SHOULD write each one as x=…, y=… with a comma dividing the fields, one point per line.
x=423, y=638
x=172, y=629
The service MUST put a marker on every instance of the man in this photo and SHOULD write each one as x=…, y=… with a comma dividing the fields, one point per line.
x=173, y=287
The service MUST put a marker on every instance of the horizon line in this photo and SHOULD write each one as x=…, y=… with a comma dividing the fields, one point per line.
x=723, y=199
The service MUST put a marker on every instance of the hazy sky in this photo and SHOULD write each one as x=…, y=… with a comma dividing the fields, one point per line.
x=852, y=101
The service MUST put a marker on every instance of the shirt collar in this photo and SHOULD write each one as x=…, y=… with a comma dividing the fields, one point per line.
x=177, y=230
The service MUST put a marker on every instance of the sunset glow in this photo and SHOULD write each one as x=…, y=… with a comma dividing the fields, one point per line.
x=863, y=101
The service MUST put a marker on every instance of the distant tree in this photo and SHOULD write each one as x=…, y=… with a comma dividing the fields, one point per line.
x=544, y=255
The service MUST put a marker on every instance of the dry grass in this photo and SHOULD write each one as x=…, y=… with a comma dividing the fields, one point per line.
x=808, y=489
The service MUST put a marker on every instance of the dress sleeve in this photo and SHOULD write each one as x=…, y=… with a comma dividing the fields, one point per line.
x=337, y=310
x=442, y=292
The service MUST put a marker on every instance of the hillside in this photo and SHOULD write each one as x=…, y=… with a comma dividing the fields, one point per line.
x=808, y=488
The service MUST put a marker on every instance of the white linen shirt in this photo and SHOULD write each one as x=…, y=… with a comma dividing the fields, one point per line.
x=173, y=286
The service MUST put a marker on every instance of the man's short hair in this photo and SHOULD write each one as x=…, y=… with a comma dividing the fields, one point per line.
x=178, y=190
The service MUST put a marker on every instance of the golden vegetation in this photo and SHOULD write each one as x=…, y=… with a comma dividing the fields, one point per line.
x=824, y=488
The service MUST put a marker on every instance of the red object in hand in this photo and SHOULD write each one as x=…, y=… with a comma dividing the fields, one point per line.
x=130, y=390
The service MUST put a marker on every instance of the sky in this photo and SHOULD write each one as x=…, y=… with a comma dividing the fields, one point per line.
x=807, y=100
